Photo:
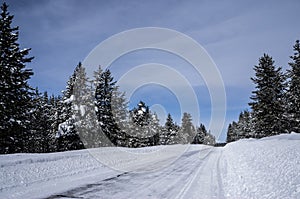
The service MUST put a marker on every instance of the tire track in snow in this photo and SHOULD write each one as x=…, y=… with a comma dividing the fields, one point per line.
x=184, y=178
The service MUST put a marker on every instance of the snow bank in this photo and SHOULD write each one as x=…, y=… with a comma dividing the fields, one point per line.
x=41, y=175
x=265, y=168
x=250, y=168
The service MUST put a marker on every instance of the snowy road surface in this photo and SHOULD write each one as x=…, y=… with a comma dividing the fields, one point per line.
x=195, y=175
x=266, y=168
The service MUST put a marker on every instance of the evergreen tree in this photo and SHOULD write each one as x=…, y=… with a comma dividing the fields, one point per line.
x=120, y=115
x=40, y=127
x=200, y=135
x=209, y=139
x=187, y=130
x=232, y=132
x=15, y=93
x=105, y=86
x=267, y=100
x=293, y=94
x=155, y=130
x=56, y=107
x=169, y=132
x=67, y=134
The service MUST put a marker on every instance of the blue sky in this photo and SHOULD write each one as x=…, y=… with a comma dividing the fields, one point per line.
x=234, y=33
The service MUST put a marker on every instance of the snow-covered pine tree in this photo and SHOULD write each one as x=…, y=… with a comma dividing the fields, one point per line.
x=293, y=93
x=139, y=128
x=187, y=130
x=67, y=135
x=86, y=122
x=105, y=86
x=200, y=135
x=267, y=100
x=169, y=132
x=120, y=115
x=40, y=127
x=209, y=139
x=16, y=94
x=56, y=107
x=232, y=132
x=155, y=130
x=245, y=125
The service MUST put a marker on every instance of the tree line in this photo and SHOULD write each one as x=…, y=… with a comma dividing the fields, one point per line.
x=275, y=102
x=90, y=113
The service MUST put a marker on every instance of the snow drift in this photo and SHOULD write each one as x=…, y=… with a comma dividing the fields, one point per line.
x=265, y=168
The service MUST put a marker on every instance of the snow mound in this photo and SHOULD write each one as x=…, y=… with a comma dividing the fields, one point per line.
x=265, y=168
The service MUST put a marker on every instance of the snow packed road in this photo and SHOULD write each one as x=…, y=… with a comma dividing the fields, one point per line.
x=196, y=174
x=265, y=168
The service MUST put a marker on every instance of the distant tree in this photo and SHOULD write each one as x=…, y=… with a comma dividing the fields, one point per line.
x=200, y=135
x=267, y=100
x=232, y=132
x=293, y=94
x=209, y=139
x=15, y=93
x=169, y=132
x=241, y=129
x=141, y=114
x=187, y=130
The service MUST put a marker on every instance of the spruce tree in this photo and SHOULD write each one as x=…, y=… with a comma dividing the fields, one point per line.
x=169, y=132
x=120, y=115
x=200, y=135
x=232, y=132
x=40, y=127
x=293, y=94
x=187, y=130
x=268, y=98
x=67, y=134
x=105, y=85
x=15, y=93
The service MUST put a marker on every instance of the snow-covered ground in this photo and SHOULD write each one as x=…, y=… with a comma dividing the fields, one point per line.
x=266, y=168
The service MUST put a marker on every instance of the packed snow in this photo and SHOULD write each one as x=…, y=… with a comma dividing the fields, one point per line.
x=249, y=168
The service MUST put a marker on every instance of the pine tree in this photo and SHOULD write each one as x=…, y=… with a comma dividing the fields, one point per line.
x=200, y=135
x=67, y=134
x=105, y=86
x=40, y=124
x=56, y=107
x=169, y=132
x=232, y=132
x=267, y=100
x=120, y=115
x=155, y=130
x=187, y=130
x=16, y=94
x=293, y=94
x=209, y=139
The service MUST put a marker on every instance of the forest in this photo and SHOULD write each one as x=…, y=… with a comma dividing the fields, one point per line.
x=90, y=112
x=94, y=112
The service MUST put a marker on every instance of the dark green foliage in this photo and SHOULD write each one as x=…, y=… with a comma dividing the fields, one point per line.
x=268, y=99
x=203, y=137
x=293, y=93
x=241, y=129
x=105, y=85
x=15, y=93
x=40, y=124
